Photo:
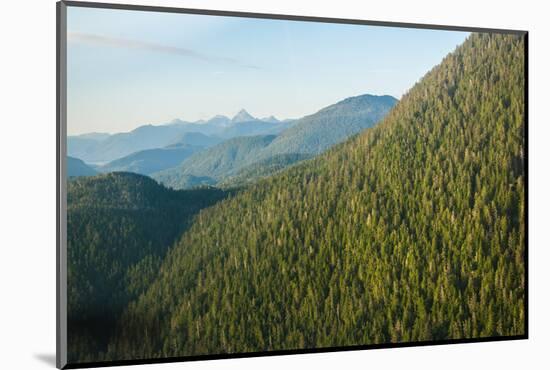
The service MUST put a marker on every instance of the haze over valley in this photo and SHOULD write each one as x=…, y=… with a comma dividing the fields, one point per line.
x=182, y=154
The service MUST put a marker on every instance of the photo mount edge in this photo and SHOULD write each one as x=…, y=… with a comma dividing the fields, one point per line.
x=61, y=186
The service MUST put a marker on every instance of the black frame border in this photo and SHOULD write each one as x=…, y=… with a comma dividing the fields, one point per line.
x=61, y=103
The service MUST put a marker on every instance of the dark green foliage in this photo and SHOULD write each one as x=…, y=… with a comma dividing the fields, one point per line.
x=77, y=168
x=120, y=227
x=263, y=168
x=410, y=231
x=189, y=181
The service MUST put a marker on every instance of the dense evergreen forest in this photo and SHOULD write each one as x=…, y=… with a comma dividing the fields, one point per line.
x=263, y=168
x=317, y=132
x=410, y=231
x=121, y=225
x=216, y=162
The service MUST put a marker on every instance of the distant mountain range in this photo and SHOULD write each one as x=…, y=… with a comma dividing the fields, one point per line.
x=151, y=160
x=102, y=148
x=306, y=137
x=148, y=161
x=229, y=150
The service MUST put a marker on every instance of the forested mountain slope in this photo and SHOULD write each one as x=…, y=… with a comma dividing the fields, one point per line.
x=121, y=225
x=410, y=231
x=251, y=173
x=316, y=133
x=216, y=162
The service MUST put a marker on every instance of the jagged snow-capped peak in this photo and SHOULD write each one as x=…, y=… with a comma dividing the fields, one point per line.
x=242, y=116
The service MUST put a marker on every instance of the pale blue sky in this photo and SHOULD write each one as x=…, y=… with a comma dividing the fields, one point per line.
x=129, y=68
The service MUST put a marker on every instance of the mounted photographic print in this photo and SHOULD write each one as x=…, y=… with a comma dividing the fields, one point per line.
x=236, y=184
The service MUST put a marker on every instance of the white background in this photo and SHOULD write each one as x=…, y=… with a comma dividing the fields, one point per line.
x=27, y=186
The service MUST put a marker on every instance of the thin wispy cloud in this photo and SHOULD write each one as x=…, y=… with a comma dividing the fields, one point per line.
x=90, y=38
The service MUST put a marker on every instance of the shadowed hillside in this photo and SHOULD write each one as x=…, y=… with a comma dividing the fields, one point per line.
x=121, y=226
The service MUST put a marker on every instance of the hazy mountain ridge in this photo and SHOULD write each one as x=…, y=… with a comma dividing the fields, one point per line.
x=302, y=138
x=77, y=167
x=148, y=161
x=102, y=148
x=194, y=139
